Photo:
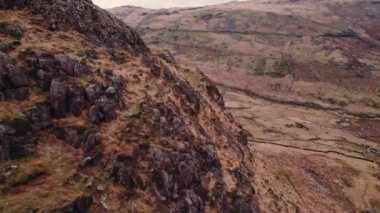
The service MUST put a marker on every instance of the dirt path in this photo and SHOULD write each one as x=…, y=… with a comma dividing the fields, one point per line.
x=309, y=159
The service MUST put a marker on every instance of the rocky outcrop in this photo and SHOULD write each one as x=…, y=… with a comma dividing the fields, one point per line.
x=168, y=57
x=163, y=121
x=58, y=98
x=66, y=97
x=7, y=47
x=68, y=65
x=51, y=72
x=17, y=139
x=46, y=66
x=86, y=18
x=113, y=86
x=214, y=94
x=77, y=102
x=124, y=173
x=188, y=96
x=11, y=30
x=176, y=172
x=13, y=81
x=104, y=110
x=40, y=116
x=79, y=137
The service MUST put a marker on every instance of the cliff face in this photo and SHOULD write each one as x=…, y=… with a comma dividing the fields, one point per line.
x=92, y=121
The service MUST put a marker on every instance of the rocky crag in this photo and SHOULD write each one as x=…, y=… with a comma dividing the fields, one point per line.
x=92, y=121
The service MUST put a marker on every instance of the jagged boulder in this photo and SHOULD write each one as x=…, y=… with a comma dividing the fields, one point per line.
x=177, y=176
x=66, y=97
x=93, y=92
x=16, y=76
x=11, y=29
x=46, y=66
x=40, y=116
x=44, y=80
x=13, y=81
x=215, y=95
x=17, y=139
x=188, y=96
x=79, y=137
x=76, y=97
x=7, y=47
x=123, y=173
x=58, y=98
x=104, y=110
x=168, y=57
x=163, y=121
x=38, y=59
x=68, y=65
x=111, y=79
x=113, y=86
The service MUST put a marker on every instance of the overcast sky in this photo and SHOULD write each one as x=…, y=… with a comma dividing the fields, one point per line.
x=156, y=3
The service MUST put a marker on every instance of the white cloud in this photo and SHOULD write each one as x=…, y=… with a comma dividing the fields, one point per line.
x=156, y=3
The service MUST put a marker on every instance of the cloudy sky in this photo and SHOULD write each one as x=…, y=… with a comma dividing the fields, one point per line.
x=156, y=3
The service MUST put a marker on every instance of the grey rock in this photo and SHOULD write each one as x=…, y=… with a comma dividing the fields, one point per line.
x=16, y=76
x=11, y=30
x=40, y=116
x=58, y=98
x=70, y=66
x=17, y=94
x=44, y=79
x=17, y=139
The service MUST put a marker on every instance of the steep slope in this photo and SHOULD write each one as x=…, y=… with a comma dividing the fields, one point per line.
x=92, y=121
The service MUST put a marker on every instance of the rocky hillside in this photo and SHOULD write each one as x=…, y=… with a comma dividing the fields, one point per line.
x=92, y=121
x=334, y=45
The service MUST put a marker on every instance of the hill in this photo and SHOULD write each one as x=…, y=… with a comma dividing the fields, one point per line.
x=334, y=44
x=91, y=120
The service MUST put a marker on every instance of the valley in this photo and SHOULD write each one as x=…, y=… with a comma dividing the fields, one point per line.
x=309, y=159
